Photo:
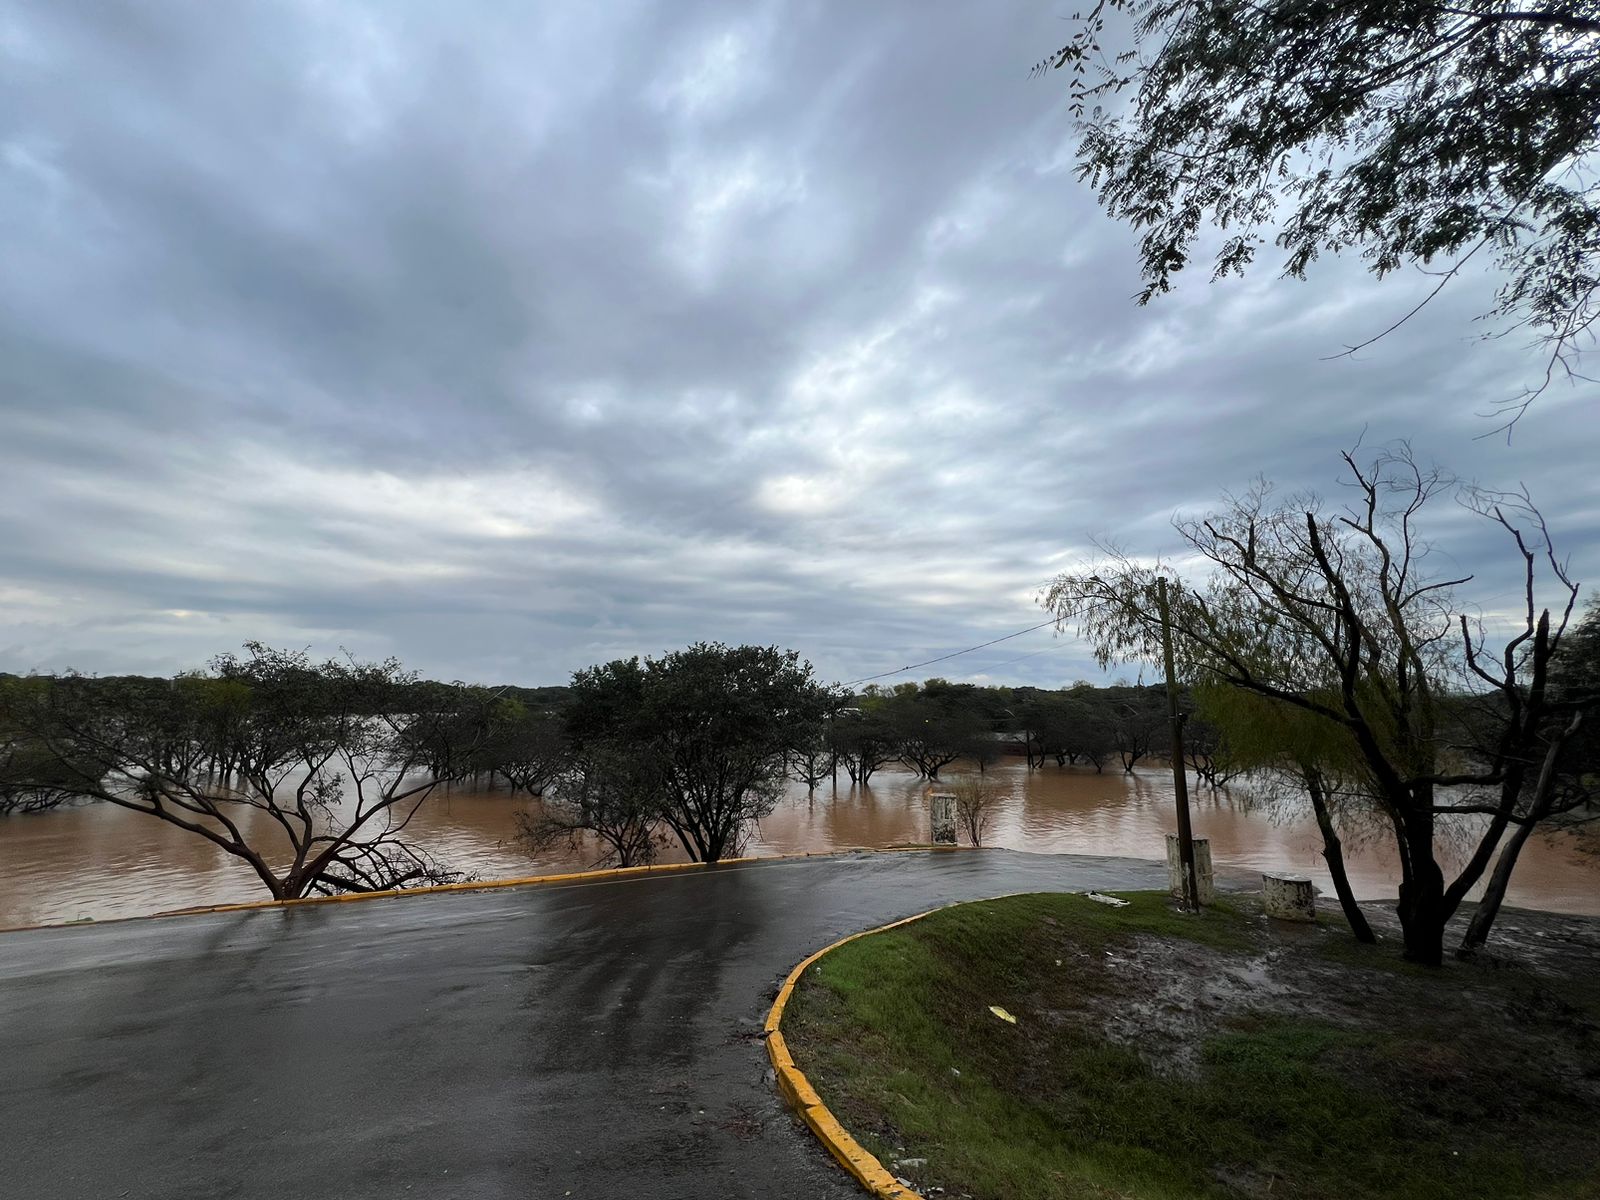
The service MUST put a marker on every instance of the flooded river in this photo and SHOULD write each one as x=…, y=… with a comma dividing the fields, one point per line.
x=97, y=861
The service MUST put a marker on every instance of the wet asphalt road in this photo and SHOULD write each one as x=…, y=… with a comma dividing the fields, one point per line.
x=596, y=1040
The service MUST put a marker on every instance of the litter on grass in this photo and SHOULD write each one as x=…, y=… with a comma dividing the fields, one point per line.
x=1111, y=900
x=1002, y=1014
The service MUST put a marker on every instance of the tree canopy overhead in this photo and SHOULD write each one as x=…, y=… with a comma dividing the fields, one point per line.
x=1412, y=131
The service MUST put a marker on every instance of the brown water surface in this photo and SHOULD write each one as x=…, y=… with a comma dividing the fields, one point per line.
x=98, y=861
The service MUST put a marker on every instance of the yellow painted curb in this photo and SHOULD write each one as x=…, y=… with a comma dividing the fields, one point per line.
x=485, y=885
x=797, y=1090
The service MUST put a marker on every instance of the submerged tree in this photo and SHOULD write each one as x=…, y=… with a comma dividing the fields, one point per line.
x=1085, y=730
x=1410, y=131
x=1137, y=723
x=863, y=740
x=935, y=724
x=720, y=723
x=527, y=749
x=1202, y=750
x=32, y=778
x=1032, y=723
x=1336, y=615
x=308, y=772
x=613, y=792
x=815, y=755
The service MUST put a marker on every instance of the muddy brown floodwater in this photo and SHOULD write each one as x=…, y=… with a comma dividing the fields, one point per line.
x=97, y=861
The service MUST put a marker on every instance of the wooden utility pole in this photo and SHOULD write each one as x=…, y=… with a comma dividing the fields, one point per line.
x=1180, y=782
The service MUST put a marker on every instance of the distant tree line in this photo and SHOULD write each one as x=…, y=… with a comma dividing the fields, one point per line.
x=696, y=747
x=311, y=773
x=926, y=727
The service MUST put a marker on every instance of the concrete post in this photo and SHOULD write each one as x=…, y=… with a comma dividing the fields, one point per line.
x=1205, y=881
x=942, y=818
x=1289, y=897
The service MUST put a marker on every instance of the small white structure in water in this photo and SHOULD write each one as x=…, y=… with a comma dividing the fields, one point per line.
x=1205, y=881
x=942, y=818
x=1289, y=897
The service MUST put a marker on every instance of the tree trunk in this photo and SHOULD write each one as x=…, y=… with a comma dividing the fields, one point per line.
x=1333, y=854
x=1495, y=893
x=1422, y=909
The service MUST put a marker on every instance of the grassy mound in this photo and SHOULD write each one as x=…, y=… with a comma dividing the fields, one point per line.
x=1157, y=1055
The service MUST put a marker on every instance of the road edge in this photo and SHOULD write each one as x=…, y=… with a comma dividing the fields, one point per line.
x=486, y=885
x=797, y=1090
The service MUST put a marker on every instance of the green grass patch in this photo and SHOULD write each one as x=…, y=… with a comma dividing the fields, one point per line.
x=895, y=1031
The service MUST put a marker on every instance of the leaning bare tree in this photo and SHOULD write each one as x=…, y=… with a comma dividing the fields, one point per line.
x=1338, y=616
x=310, y=773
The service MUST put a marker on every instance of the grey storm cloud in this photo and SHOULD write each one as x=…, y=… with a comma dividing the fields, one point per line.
x=509, y=338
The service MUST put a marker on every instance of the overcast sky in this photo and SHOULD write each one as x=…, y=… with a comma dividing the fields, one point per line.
x=508, y=338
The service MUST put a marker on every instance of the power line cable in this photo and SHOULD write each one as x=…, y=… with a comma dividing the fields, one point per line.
x=954, y=654
x=1008, y=661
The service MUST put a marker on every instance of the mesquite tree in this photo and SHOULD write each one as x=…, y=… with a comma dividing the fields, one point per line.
x=307, y=772
x=934, y=725
x=863, y=740
x=720, y=723
x=1337, y=614
x=612, y=792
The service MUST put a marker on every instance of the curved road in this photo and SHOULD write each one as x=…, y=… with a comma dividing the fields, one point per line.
x=594, y=1040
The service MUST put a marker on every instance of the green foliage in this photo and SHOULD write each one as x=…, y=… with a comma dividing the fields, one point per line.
x=720, y=721
x=863, y=738
x=1259, y=732
x=936, y=724
x=1409, y=132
